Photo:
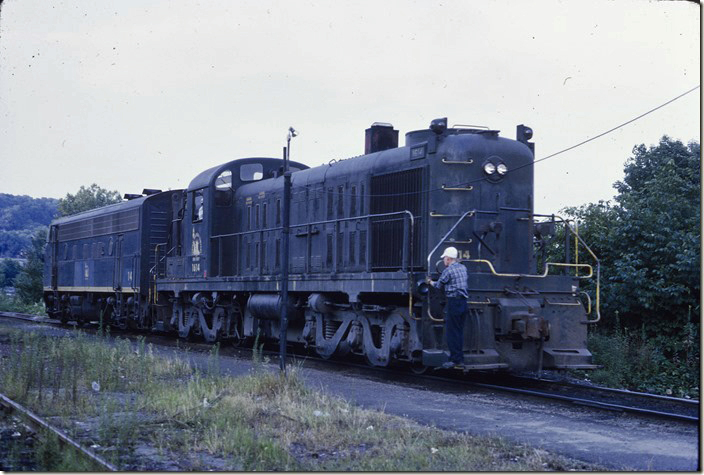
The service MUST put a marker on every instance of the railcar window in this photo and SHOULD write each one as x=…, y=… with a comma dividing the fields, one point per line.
x=223, y=189
x=251, y=172
x=198, y=206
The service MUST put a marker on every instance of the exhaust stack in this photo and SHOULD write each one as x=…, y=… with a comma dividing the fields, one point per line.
x=380, y=136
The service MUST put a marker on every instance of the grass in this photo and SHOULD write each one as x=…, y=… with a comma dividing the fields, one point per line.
x=143, y=411
x=14, y=304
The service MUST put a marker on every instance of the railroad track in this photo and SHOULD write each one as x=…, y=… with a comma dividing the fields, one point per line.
x=609, y=399
x=41, y=426
x=620, y=400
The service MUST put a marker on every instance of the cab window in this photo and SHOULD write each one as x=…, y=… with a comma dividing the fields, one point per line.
x=198, y=206
x=223, y=189
x=251, y=172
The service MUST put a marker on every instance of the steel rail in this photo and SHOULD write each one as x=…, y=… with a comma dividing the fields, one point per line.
x=592, y=403
x=38, y=422
x=623, y=392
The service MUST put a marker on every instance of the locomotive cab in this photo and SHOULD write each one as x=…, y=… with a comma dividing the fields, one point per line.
x=209, y=217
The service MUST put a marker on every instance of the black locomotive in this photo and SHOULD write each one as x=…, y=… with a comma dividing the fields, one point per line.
x=364, y=232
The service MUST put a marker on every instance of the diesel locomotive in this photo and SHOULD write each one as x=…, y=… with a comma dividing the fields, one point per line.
x=206, y=262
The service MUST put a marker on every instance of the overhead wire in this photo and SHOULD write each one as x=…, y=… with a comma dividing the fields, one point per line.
x=606, y=132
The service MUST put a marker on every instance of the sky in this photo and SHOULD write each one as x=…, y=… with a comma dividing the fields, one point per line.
x=135, y=94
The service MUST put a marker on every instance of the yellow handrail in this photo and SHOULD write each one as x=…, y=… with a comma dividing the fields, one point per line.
x=598, y=270
x=589, y=302
x=430, y=315
x=535, y=276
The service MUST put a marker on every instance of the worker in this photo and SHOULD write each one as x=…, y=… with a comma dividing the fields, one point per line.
x=453, y=281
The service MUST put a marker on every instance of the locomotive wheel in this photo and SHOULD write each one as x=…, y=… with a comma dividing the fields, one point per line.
x=418, y=368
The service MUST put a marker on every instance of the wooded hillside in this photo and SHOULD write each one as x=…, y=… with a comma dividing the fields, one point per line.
x=20, y=218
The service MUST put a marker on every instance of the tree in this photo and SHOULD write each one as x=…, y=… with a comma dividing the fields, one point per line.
x=20, y=218
x=86, y=199
x=9, y=269
x=29, y=282
x=649, y=242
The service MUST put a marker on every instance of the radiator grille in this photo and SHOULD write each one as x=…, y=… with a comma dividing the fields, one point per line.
x=119, y=222
x=391, y=193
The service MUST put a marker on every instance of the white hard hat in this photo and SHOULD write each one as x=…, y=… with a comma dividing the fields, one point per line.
x=450, y=252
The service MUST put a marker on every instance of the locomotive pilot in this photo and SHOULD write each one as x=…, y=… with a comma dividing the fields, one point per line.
x=453, y=281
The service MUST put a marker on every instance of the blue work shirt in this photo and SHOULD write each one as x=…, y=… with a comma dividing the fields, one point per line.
x=454, y=280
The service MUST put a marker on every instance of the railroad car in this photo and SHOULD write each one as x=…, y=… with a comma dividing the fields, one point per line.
x=206, y=262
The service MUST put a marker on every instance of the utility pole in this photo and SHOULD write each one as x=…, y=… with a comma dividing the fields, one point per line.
x=285, y=251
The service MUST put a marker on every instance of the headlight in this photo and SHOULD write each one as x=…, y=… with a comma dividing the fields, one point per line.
x=501, y=169
x=489, y=168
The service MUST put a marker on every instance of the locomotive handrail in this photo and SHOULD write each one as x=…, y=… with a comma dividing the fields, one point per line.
x=466, y=213
x=534, y=276
x=596, y=259
x=433, y=214
x=458, y=162
x=469, y=213
x=154, y=270
x=407, y=263
x=598, y=270
x=327, y=221
x=589, y=302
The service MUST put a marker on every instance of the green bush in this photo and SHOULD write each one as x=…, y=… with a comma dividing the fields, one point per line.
x=635, y=362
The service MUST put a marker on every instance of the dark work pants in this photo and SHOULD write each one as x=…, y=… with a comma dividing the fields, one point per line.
x=454, y=327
